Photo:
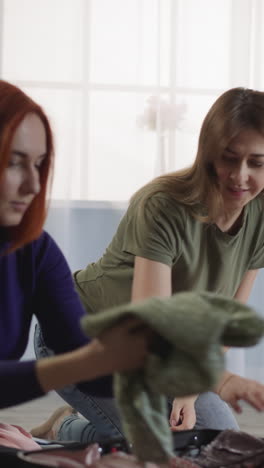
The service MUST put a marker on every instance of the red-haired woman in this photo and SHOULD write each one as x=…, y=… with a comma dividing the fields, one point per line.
x=35, y=278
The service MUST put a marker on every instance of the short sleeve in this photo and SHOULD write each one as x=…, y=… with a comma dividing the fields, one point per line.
x=256, y=222
x=257, y=260
x=154, y=230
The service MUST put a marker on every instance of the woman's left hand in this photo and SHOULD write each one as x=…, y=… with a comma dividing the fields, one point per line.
x=183, y=415
x=237, y=388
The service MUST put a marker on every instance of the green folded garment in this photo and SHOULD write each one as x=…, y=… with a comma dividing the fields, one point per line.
x=186, y=359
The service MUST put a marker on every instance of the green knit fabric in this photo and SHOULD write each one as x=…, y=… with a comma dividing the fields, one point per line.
x=186, y=359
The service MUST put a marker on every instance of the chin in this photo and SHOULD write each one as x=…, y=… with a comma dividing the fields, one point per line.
x=235, y=204
x=11, y=221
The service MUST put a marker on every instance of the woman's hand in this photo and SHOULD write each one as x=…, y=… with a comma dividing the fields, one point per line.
x=123, y=346
x=183, y=415
x=233, y=388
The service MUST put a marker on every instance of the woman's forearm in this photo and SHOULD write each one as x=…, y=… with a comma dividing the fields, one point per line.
x=58, y=371
x=223, y=380
x=117, y=349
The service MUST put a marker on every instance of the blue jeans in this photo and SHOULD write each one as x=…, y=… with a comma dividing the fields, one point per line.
x=102, y=419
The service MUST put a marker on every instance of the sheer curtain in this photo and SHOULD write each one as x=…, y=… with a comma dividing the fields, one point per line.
x=102, y=69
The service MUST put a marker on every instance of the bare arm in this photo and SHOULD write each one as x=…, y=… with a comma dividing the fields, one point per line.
x=154, y=279
x=244, y=290
x=56, y=372
x=246, y=285
x=150, y=279
x=116, y=349
x=232, y=387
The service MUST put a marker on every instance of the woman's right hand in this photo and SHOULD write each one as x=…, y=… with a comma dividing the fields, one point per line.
x=122, y=347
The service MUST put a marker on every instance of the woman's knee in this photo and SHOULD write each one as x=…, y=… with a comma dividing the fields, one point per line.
x=214, y=413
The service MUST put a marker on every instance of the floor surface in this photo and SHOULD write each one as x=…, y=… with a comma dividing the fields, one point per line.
x=31, y=414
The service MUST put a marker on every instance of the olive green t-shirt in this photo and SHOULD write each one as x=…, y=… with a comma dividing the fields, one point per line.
x=202, y=257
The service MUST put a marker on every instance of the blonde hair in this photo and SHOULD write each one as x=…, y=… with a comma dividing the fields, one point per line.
x=197, y=186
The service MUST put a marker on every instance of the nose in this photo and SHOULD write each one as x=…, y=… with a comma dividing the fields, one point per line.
x=239, y=174
x=31, y=183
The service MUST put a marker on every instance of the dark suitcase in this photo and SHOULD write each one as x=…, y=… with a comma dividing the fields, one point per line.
x=186, y=444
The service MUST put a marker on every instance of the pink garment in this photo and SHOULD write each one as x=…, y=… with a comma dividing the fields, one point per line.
x=17, y=437
x=63, y=458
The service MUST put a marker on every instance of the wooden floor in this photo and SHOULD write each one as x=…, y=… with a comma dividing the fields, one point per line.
x=31, y=414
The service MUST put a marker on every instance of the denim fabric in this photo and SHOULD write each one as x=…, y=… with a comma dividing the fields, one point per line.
x=102, y=420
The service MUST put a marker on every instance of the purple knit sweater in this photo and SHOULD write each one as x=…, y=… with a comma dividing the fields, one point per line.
x=36, y=280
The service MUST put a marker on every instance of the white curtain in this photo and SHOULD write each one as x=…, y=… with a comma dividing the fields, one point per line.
x=126, y=84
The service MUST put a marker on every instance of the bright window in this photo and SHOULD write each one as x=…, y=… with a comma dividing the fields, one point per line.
x=93, y=64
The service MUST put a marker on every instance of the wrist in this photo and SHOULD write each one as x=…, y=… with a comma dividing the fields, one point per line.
x=85, y=363
x=227, y=376
x=189, y=398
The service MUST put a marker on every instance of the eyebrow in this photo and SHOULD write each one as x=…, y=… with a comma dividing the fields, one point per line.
x=255, y=155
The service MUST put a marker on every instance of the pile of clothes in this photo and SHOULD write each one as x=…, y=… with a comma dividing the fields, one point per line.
x=233, y=450
x=229, y=449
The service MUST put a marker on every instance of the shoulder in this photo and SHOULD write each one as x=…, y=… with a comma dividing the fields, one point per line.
x=159, y=212
x=254, y=233
x=257, y=204
x=256, y=211
x=44, y=245
x=254, y=222
x=45, y=253
x=158, y=204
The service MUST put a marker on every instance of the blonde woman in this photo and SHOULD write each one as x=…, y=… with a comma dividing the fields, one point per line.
x=198, y=229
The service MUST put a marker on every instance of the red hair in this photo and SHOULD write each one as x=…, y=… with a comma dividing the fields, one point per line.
x=14, y=106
